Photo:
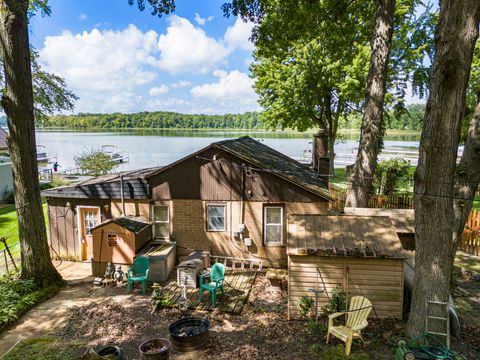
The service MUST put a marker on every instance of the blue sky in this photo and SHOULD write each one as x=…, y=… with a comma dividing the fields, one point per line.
x=118, y=59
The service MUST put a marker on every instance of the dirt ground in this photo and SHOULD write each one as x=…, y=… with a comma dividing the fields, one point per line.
x=260, y=332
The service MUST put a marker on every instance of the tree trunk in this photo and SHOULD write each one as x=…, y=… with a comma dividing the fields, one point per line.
x=455, y=38
x=467, y=178
x=17, y=102
x=361, y=178
x=331, y=154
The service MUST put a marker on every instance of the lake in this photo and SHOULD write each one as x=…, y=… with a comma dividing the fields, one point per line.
x=149, y=147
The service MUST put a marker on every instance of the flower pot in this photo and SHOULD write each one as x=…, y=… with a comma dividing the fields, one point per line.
x=155, y=349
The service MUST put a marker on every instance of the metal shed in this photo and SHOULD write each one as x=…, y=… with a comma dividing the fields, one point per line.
x=362, y=255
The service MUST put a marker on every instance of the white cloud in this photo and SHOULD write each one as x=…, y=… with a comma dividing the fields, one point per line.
x=158, y=90
x=101, y=60
x=237, y=36
x=181, y=84
x=82, y=17
x=186, y=48
x=99, y=64
x=117, y=70
x=232, y=92
x=202, y=21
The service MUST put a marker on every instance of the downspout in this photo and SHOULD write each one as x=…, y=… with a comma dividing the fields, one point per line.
x=122, y=196
x=242, y=196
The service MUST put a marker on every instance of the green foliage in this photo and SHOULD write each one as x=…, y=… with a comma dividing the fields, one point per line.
x=49, y=348
x=95, y=162
x=157, y=7
x=17, y=296
x=388, y=173
x=305, y=305
x=50, y=93
x=337, y=301
x=157, y=120
x=9, y=197
x=310, y=63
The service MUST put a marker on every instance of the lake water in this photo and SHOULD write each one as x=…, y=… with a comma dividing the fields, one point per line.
x=146, y=148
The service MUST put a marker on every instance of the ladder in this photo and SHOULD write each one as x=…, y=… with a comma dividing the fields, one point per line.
x=317, y=292
x=445, y=320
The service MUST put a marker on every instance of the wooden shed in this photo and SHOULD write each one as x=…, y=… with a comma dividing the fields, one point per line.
x=118, y=240
x=362, y=255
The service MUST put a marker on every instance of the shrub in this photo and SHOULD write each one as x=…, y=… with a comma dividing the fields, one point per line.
x=305, y=305
x=9, y=197
x=337, y=301
x=387, y=174
x=95, y=162
x=17, y=296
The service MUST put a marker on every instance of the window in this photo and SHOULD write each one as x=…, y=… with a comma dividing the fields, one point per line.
x=90, y=220
x=273, y=225
x=161, y=222
x=216, y=218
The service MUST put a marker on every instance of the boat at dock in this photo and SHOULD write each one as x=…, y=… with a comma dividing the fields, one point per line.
x=116, y=156
x=42, y=154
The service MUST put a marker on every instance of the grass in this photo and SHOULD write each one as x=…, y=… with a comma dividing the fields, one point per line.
x=48, y=348
x=467, y=262
x=9, y=224
x=328, y=352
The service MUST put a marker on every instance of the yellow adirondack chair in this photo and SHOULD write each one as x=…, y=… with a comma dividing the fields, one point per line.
x=356, y=320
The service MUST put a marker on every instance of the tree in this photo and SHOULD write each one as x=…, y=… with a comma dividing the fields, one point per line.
x=50, y=92
x=467, y=179
x=17, y=102
x=361, y=177
x=456, y=34
x=95, y=162
x=312, y=78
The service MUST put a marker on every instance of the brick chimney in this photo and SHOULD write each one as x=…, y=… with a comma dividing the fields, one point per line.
x=320, y=158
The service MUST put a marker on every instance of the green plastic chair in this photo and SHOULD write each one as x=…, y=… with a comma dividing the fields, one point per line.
x=217, y=276
x=138, y=273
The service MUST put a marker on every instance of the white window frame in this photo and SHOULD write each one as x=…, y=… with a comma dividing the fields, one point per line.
x=224, y=216
x=282, y=225
x=161, y=221
x=78, y=210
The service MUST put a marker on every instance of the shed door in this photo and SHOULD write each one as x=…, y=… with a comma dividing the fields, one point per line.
x=89, y=218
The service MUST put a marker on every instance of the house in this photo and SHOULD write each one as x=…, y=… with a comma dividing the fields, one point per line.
x=6, y=177
x=362, y=255
x=232, y=198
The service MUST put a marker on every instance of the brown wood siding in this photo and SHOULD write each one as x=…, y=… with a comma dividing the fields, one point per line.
x=63, y=225
x=127, y=244
x=132, y=208
x=380, y=280
x=198, y=178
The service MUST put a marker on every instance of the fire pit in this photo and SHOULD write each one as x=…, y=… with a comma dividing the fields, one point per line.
x=189, y=334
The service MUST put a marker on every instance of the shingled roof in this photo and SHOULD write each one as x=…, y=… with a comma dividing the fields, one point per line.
x=283, y=166
x=135, y=186
x=359, y=236
x=135, y=225
x=257, y=155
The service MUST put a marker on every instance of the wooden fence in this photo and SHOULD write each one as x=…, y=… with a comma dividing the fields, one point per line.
x=397, y=201
x=470, y=242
